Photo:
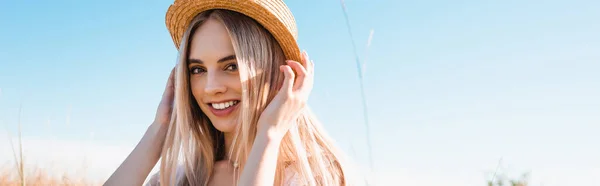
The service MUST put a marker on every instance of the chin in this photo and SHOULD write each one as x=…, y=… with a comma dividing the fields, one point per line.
x=225, y=126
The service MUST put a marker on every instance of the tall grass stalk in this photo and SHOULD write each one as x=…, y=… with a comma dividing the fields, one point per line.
x=361, y=82
x=18, y=160
x=12, y=148
x=21, y=166
x=360, y=69
x=496, y=172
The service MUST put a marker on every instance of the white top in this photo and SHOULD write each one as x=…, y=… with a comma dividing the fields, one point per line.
x=291, y=177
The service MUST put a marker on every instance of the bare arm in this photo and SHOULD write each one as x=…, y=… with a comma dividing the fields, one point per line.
x=139, y=163
x=274, y=122
x=137, y=166
x=262, y=161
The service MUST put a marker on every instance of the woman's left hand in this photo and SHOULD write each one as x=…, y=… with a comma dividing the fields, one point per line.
x=279, y=116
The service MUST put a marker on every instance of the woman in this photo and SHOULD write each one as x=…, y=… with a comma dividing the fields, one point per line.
x=234, y=110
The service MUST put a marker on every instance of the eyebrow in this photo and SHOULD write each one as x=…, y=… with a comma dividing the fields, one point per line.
x=227, y=58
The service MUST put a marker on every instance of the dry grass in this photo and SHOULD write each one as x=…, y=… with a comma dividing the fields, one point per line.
x=9, y=175
x=18, y=174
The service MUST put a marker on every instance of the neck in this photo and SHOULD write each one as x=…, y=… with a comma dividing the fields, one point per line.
x=228, y=142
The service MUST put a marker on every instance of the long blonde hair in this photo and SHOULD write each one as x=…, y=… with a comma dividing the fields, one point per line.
x=193, y=142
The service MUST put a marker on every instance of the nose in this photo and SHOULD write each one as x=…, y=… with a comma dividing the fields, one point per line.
x=214, y=84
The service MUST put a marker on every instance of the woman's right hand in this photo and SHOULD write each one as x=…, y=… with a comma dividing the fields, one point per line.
x=165, y=107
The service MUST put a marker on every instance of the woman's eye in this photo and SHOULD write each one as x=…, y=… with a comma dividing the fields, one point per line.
x=196, y=70
x=232, y=67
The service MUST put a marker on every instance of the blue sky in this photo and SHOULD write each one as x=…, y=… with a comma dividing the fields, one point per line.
x=452, y=86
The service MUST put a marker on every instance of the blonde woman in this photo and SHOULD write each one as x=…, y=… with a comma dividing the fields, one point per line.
x=234, y=109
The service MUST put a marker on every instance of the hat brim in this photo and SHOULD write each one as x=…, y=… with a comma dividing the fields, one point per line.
x=180, y=14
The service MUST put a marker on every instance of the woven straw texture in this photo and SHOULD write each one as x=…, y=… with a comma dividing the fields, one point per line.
x=274, y=15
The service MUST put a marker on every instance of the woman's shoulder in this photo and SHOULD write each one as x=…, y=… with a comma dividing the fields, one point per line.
x=291, y=177
x=155, y=178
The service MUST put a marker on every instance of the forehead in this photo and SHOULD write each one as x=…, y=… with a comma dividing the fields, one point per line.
x=210, y=42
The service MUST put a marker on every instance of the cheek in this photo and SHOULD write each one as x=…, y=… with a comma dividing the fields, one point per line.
x=235, y=84
x=197, y=89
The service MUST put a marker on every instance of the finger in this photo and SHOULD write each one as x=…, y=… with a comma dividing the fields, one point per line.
x=288, y=82
x=169, y=89
x=305, y=59
x=308, y=63
x=300, y=73
x=171, y=80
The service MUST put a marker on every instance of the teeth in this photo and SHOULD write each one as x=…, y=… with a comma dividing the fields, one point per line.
x=225, y=105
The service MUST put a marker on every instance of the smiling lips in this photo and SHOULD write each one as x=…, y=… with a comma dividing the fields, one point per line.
x=222, y=109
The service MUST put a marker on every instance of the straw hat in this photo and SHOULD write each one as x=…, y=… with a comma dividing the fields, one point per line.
x=274, y=15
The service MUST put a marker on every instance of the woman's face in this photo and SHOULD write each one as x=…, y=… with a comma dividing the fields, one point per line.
x=214, y=77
